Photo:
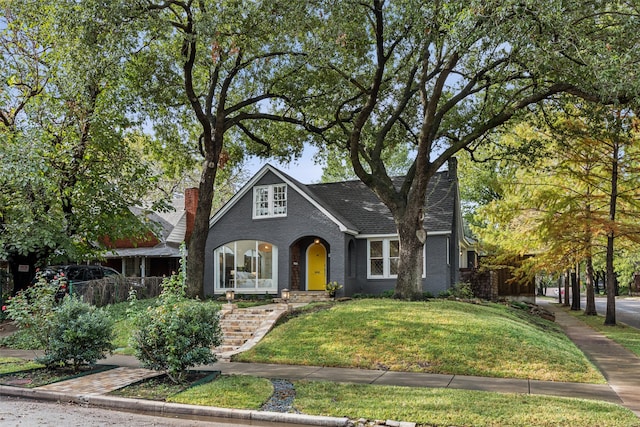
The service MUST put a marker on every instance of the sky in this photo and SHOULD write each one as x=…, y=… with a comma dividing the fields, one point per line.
x=303, y=169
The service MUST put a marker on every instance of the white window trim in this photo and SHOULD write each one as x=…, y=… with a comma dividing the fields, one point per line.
x=270, y=201
x=386, y=267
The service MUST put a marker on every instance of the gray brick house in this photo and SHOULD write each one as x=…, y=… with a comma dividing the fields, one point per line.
x=278, y=233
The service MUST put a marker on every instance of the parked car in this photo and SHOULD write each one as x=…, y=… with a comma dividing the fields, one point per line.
x=68, y=276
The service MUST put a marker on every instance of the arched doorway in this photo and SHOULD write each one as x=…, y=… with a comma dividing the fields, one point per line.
x=316, y=267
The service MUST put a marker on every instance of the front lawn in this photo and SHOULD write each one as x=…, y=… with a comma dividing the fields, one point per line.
x=437, y=336
x=446, y=407
x=428, y=406
x=9, y=365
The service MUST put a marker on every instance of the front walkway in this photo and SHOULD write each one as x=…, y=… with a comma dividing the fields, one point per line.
x=101, y=382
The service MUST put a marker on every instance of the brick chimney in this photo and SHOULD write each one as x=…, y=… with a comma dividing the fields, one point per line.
x=452, y=173
x=190, y=206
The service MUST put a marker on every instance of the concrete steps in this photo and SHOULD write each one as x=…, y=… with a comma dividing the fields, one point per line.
x=243, y=328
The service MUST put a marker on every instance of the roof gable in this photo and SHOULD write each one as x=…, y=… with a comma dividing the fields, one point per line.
x=343, y=224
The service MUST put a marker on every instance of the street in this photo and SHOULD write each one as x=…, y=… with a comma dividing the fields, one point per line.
x=29, y=413
x=627, y=309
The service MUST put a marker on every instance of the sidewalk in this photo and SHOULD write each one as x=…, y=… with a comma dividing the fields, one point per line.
x=620, y=367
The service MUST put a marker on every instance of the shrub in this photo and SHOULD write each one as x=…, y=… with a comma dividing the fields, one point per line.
x=461, y=290
x=177, y=336
x=177, y=333
x=32, y=310
x=79, y=333
x=70, y=331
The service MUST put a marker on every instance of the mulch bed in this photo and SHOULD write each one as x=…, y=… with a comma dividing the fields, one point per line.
x=43, y=376
x=162, y=387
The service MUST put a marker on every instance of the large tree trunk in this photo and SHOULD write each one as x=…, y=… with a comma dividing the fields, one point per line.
x=198, y=240
x=590, y=309
x=567, y=287
x=410, y=264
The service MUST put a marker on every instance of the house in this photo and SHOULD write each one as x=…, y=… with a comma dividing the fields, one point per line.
x=158, y=254
x=278, y=233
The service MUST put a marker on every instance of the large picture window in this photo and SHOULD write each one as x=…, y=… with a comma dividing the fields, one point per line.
x=270, y=201
x=246, y=266
x=383, y=256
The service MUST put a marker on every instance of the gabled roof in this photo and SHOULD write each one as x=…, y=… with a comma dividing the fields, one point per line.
x=356, y=210
x=343, y=225
x=356, y=202
x=169, y=228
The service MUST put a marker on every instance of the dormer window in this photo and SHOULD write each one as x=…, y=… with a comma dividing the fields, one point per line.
x=270, y=201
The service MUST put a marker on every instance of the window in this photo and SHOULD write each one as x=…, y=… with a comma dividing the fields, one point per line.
x=270, y=201
x=383, y=256
x=376, y=258
x=246, y=266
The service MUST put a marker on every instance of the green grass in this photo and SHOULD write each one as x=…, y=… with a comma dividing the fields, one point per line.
x=123, y=324
x=228, y=391
x=437, y=336
x=626, y=336
x=445, y=407
x=9, y=365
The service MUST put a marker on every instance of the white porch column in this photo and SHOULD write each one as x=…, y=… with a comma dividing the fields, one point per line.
x=143, y=265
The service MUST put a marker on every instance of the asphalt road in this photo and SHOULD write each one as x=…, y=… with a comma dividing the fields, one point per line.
x=29, y=413
x=627, y=309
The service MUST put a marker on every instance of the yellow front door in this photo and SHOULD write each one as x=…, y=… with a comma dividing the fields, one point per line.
x=316, y=267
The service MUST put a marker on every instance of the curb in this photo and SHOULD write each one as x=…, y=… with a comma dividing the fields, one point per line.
x=151, y=407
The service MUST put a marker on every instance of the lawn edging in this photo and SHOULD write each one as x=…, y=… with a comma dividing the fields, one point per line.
x=158, y=408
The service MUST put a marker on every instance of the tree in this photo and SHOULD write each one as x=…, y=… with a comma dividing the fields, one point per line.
x=338, y=167
x=443, y=75
x=66, y=125
x=559, y=207
x=215, y=71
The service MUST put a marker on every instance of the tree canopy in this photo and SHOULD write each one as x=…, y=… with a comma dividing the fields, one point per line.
x=369, y=79
x=68, y=176
x=558, y=206
x=445, y=75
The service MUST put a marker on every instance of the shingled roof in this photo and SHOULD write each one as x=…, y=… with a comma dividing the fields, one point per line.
x=357, y=210
x=359, y=206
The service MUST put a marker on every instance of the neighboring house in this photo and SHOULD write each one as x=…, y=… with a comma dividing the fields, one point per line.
x=158, y=254
x=277, y=233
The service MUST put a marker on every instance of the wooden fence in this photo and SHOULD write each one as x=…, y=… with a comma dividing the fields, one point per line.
x=112, y=290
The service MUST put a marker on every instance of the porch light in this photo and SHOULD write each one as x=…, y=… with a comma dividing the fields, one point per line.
x=285, y=295
x=230, y=295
